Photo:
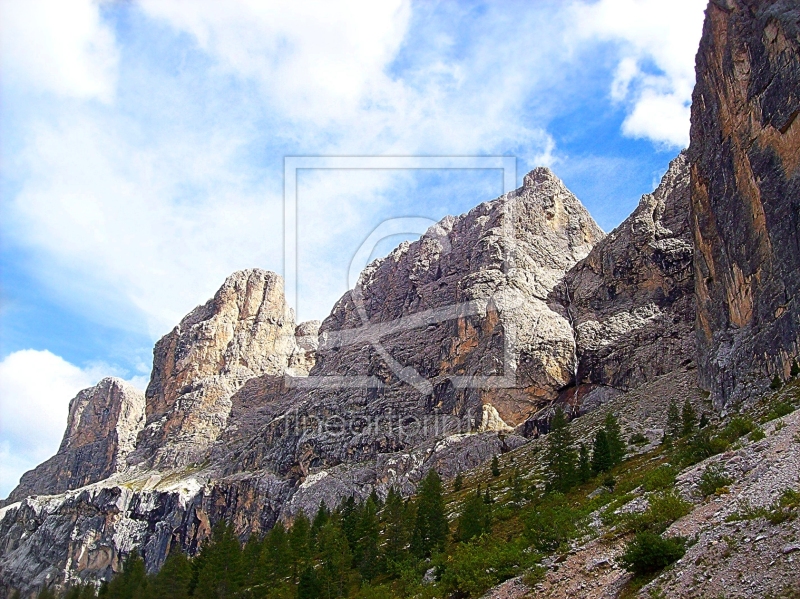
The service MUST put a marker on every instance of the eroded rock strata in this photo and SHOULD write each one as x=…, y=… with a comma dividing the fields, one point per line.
x=102, y=427
x=630, y=301
x=452, y=346
x=745, y=196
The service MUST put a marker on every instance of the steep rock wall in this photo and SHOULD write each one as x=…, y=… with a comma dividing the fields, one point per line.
x=102, y=426
x=745, y=192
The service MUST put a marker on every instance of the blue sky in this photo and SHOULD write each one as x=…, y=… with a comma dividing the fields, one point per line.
x=142, y=148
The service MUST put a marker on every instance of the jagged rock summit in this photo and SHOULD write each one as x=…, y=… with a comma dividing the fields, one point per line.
x=245, y=330
x=452, y=348
x=102, y=427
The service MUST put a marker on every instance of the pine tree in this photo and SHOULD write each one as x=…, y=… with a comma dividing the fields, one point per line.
x=688, y=419
x=776, y=383
x=495, y=467
x=336, y=558
x=795, y=369
x=475, y=518
x=321, y=518
x=560, y=457
x=584, y=465
x=703, y=420
x=174, y=578
x=430, y=526
x=350, y=514
x=458, y=483
x=220, y=573
x=368, y=543
x=276, y=555
x=132, y=581
x=601, y=453
x=616, y=445
x=308, y=585
x=395, y=528
x=300, y=544
x=674, y=425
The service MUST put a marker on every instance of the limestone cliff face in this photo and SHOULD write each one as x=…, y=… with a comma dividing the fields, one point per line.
x=245, y=330
x=102, y=426
x=470, y=289
x=631, y=299
x=432, y=333
x=745, y=190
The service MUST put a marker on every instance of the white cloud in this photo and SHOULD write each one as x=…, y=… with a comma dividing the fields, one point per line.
x=650, y=33
x=317, y=60
x=58, y=46
x=35, y=390
x=110, y=223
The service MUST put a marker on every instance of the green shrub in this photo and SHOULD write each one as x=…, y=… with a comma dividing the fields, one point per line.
x=649, y=553
x=662, y=477
x=779, y=409
x=758, y=434
x=713, y=479
x=663, y=510
x=549, y=526
x=638, y=439
x=475, y=567
x=738, y=427
x=776, y=383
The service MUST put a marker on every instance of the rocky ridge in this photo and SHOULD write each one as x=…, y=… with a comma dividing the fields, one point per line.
x=102, y=427
x=630, y=301
x=452, y=348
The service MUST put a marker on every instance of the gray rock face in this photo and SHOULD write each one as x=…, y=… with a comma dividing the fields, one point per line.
x=245, y=330
x=424, y=326
x=630, y=300
x=745, y=209
x=102, y=426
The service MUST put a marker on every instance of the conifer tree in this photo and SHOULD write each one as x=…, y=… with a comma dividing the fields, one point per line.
x=174, y=578
x=475, y=518
x=368, y=543
x=560, y=456
x=776, y=383
x=131, y=583
x=616, y=445
x=336, y=558
x=276, y=555
x=220, y=574
x=350, y=515
x=308, y=585
x=395, y=527
x=601, y=452
x=795, y=369
x=495, y=467
x=458, y=483
x=688, y=419
x=584, y=465
x=430, y=526
x=674, y=425
x=376, y=500
x=300, y=544
x=320, y=519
